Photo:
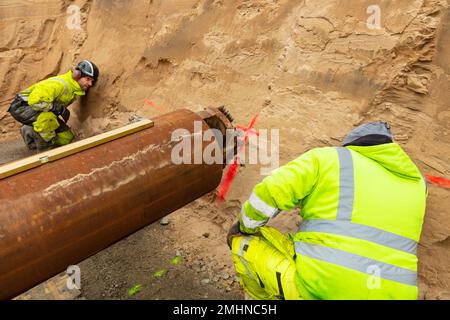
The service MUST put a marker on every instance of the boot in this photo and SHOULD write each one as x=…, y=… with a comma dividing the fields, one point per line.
x=33, y=140
x=28, y=137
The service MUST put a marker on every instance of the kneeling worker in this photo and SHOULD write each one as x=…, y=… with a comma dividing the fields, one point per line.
x=362, y=206
x=42, y=108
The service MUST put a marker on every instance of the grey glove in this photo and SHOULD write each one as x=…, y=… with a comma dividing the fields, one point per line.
x=65, y=114
x=233, y=232
x=57, y=108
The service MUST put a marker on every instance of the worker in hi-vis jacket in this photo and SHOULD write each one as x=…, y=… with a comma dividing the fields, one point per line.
x=362, y=208
x=42, y=108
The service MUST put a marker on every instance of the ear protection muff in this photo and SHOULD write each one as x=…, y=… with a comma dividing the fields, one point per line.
x=76, y=74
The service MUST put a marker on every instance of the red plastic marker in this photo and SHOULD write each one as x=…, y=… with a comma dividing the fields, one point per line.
x=438, y=181
x=232, y=170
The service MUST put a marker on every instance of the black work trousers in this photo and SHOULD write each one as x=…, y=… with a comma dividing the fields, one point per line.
x=22, y=112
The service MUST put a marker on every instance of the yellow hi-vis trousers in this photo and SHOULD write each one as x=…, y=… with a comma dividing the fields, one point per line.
x=265, y=265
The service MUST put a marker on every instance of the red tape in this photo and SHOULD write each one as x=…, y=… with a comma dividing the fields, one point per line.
x=438, y=181
x=232, y=170
x=153, y=105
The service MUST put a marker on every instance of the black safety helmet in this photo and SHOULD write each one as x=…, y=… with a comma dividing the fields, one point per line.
x=88, y=69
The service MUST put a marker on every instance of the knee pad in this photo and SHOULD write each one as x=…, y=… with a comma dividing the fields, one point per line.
x=46, y=124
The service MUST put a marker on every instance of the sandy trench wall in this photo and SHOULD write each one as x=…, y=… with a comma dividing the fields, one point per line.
x=312, y=69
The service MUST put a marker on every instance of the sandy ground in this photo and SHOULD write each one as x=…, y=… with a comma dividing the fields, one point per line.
x=312, y=69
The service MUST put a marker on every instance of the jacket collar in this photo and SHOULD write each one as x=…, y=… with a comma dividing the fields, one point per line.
x=73, y=84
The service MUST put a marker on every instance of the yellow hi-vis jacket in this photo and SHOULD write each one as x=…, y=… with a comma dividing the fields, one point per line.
x=362, y=210
x=62, y=89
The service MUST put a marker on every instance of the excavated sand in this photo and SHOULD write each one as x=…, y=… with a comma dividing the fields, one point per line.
x=312, y=69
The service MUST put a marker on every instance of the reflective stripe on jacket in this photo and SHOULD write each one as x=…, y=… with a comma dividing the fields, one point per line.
x=362, y=210
x=62, y=89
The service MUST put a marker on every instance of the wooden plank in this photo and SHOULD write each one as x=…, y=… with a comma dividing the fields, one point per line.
x=18, y=166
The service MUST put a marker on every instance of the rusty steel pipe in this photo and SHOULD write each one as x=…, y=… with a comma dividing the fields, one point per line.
x=62, y=212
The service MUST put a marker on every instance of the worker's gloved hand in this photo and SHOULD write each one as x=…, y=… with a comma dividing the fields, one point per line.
x=65, y=114
x=57, y=108
x=234, y=232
